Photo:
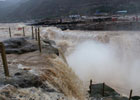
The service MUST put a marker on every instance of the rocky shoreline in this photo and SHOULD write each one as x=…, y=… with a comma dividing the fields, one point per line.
x=27, y=82
x=28, y=79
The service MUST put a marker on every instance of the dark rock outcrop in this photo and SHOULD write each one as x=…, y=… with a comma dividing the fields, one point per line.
x=19, y=46
x=50, y=47
x=49, y=42
x=115, y=98
x=24, y=79
x=136, y=98
x=97, y=91
x=109, y=93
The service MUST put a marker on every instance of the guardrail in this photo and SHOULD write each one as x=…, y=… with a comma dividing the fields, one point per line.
x=35, y=35
x=9, y=29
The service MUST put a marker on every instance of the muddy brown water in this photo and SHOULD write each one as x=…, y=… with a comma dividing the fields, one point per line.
x=105, y=56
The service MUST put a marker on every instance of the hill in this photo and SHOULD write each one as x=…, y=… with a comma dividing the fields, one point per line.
x=38, y=9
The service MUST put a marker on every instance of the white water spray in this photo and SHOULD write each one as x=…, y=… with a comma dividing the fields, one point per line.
x=110, y=56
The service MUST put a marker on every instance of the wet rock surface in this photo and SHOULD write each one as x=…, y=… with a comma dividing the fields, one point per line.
x=10, y=92
x=115, y=98
x=136, y=98
x=50, y=47
x=96, y=93
x=49, y=42
x=23, y=80
x=19, y=46
x=51, y=50
x=26, y=86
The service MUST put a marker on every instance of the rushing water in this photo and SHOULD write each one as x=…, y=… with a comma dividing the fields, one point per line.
x=105, y=56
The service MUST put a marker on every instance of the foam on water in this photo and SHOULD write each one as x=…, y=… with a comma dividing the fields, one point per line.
x=104, y=56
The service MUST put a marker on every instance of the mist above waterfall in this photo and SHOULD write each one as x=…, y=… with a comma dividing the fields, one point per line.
x=103, y=63
x=92, y=60
x=104, y=56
